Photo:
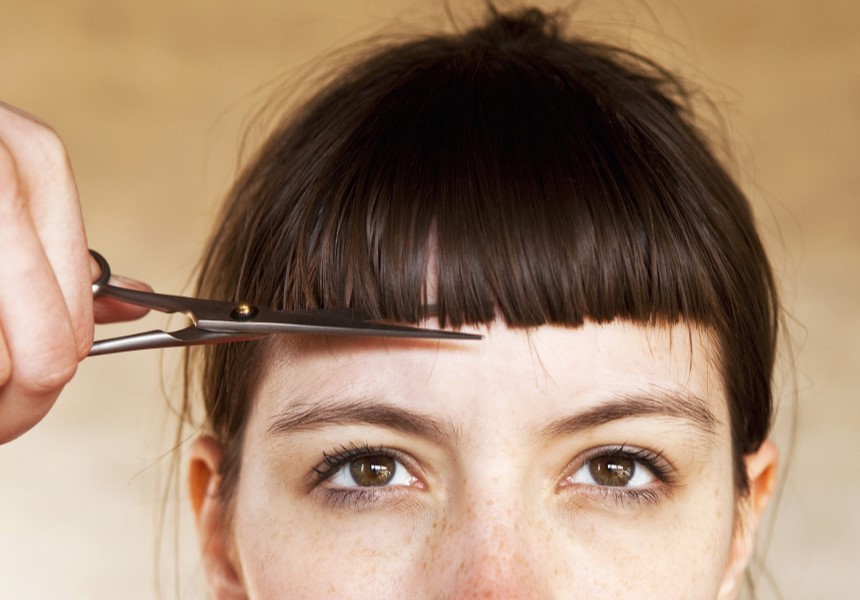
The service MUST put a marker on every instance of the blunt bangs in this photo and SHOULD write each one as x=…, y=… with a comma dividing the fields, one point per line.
x=547, y=203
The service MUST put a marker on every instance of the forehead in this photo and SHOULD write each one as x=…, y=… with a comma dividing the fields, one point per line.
x=532, y=375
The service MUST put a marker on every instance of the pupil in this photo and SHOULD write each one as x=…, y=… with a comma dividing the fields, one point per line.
x=369, y=471
x=615, y=471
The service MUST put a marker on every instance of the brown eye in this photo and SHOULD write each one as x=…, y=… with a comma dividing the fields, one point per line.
x=355, y=469
x=371, y=471
x=612, y=470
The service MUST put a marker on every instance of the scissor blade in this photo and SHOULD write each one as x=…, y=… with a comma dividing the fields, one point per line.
x=268, y=321
x=190, y=336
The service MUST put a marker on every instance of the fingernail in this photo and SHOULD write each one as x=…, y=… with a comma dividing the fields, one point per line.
x=127, y=282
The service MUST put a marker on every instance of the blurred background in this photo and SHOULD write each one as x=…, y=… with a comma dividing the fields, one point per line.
x=152, y=99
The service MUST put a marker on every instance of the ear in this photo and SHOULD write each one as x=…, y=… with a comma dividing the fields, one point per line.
x=761, y=468
x=219, y=561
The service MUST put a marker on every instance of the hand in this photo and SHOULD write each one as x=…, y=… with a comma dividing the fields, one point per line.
x=46, y=303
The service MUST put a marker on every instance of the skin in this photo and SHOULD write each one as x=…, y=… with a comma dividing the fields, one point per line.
x=47, y=311
x=495, y=499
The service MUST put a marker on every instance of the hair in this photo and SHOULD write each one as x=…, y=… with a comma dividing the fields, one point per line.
x=548, y=179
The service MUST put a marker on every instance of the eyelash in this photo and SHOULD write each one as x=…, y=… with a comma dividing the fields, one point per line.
x=652, y=460
x=354, y=498
x=342, y=455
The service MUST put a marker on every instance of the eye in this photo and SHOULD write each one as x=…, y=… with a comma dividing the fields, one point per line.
x=616, y=469
x=364, y=477
x=372, y=470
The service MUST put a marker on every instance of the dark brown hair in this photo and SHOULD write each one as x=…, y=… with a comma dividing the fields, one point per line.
x=557, y=180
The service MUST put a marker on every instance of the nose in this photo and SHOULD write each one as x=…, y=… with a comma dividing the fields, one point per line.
x=487, y=548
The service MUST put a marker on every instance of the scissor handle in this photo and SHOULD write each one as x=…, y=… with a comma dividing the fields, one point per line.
x=163, y=302
x=104, y=277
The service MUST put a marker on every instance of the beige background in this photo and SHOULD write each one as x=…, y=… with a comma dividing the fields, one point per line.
x=150, y=98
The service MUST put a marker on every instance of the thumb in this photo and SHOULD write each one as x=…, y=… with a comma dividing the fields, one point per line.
x=111, y=310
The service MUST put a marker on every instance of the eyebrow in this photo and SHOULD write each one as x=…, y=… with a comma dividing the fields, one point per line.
x=655, y=403
x=305, y=416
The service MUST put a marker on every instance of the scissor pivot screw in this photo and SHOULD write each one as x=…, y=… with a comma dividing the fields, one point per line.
x=243, y=311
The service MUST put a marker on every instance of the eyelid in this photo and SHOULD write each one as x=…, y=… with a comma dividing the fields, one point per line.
x=360, y=498
x=662, y=469
x=333, y=462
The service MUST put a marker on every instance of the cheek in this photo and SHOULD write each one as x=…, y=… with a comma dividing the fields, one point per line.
x=679, y=552
x=287, y=545
x=287, y=549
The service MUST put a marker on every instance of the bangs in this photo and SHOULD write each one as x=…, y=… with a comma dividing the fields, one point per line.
x=544, y=200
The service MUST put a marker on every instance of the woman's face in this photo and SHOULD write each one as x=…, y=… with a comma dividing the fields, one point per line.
x=592, y=462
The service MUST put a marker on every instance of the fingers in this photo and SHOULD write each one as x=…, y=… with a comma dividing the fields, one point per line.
x=40, y=350
x=46, y=303
x=51, y=199
x=110, y=310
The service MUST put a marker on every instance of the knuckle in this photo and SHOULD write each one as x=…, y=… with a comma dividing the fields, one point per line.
x=49, y=374
x=47, y=143
x=30, y=138
x=50, y=380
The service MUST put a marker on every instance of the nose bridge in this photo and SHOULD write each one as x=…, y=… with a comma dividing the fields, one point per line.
x=489, y=547
x=493, y=540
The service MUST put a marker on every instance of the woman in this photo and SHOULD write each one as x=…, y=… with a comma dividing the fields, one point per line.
x=607, y=439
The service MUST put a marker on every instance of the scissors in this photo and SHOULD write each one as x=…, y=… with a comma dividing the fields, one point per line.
x=216, y=322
